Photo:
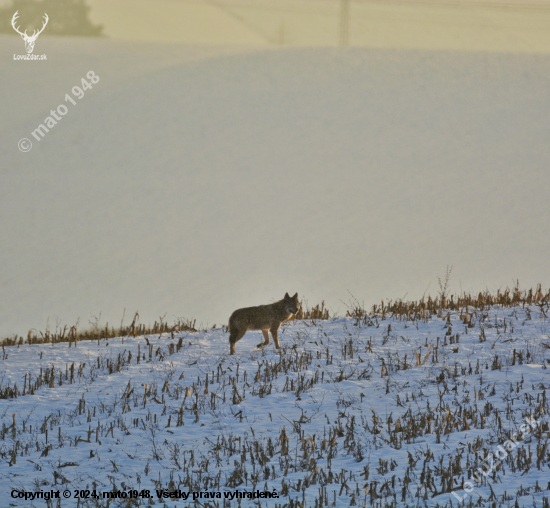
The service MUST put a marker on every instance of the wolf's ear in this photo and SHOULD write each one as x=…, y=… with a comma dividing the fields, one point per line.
x=295, y=297
x=286, y=296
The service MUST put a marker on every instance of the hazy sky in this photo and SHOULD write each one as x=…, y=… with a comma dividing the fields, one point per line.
x=195, y=180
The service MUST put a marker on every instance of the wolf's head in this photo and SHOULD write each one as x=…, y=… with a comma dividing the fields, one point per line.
x=291, y=303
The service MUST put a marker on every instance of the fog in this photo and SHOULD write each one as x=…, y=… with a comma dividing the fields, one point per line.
x=192, y=180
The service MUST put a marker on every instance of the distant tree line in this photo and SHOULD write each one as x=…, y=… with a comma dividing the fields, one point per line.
x=66, y=17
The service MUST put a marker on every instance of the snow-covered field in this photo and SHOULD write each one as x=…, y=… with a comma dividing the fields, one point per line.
x=377, y=411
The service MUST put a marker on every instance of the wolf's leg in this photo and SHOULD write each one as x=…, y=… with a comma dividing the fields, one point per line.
x=266, y=339
x=275, y=333
x=234, y=336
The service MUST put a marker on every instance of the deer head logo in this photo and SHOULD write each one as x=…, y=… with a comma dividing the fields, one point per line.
x=29, y=39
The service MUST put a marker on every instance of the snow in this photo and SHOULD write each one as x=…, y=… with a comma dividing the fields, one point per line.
x=338, y=388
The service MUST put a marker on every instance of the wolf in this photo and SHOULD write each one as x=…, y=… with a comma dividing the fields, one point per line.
x=262, y=317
